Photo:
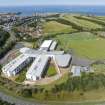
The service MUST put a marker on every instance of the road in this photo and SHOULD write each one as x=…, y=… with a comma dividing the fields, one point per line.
x=16, y=101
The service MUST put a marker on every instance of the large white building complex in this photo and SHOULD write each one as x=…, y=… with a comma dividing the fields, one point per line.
x=40, y=57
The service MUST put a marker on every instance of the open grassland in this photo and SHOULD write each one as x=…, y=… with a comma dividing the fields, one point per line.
x=55, y=27
x=83, y=44
x=83, y=23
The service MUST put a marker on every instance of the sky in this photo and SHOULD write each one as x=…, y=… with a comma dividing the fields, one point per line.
x=51, y=2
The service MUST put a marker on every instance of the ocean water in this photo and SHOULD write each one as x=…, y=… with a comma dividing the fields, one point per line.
x=29, y=10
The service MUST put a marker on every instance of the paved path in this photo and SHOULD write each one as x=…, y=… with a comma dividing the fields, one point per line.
x=16, y=101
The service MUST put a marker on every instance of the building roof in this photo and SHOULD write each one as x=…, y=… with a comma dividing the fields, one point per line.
x=46, y=44
x=63, y=60
x=11, y=66
x=35, y=53
x=24, y=49
x=76, y=70
x=38, y=66
x=53, y=45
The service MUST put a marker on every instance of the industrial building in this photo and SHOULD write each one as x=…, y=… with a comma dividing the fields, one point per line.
x=40, y=60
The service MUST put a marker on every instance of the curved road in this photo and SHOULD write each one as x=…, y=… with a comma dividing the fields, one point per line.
x=16, y=101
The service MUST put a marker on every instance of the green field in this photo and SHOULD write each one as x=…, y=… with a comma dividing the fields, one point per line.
x=84, y=23
x=83, y=44
x=55, y=27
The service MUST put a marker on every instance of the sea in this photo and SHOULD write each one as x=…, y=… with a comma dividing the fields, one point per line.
x=29, y=10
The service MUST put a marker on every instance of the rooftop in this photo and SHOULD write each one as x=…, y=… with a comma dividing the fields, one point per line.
x=76, y=70
x=63, y=60
x=46, y=44
x=38, y=66
x=11, y=66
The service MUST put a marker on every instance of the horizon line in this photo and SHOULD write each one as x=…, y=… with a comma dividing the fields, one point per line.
x=53, y=5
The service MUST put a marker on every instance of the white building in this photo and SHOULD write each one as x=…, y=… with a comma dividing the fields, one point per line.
x=77, y=70
x=46, y=45
x=13, y=67
x=63, y=60
x=53, y=46
x=41, y=58
x=37, y=69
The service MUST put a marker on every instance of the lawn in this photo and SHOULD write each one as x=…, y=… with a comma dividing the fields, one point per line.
x=51, y=71
x=21, y=77
x=55, y=27
x=83, y=44
x=83, y=23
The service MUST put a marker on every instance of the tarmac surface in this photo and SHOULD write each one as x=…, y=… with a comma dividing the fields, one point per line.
x=81, y=61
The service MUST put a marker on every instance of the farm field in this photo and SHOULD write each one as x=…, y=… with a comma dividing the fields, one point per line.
x=55, y=27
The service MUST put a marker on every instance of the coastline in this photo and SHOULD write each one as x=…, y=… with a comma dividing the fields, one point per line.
x=29, y=10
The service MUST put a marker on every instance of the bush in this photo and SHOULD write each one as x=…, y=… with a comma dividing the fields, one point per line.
x=85, y=82
x=26, y=92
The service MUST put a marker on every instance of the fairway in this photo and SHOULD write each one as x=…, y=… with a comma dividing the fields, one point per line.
x=55, y=27
x=83, y=23
x=83, y=44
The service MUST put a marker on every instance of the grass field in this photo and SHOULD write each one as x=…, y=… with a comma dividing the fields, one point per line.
x=83, y=44
x=51, y=71
x=55, y=27
x=22, y=75
x=84, y=23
